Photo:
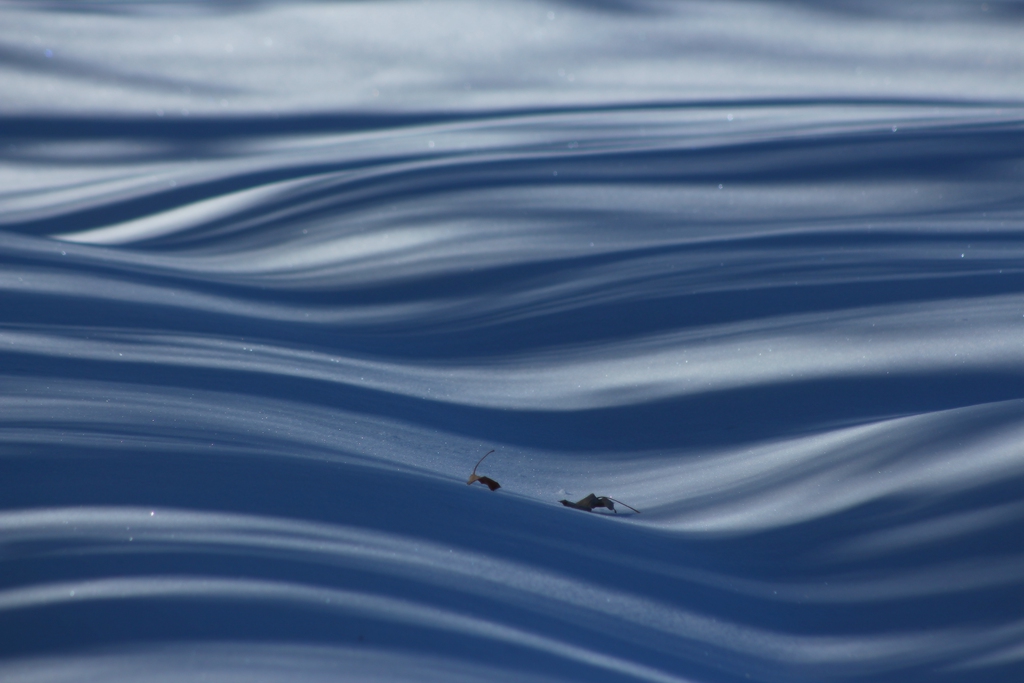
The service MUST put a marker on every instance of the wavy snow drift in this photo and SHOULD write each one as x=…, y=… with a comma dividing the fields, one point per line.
x=275, y=276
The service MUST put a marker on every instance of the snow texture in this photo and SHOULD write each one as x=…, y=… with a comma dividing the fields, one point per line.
x=276, y=274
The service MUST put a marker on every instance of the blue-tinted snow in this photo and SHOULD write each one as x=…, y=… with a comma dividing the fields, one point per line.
x=275, y=276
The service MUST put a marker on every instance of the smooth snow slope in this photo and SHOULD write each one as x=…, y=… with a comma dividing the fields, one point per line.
x=276, y=274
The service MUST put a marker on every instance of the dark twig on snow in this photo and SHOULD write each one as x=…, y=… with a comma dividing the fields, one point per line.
x=590, y=502
x=486, y=481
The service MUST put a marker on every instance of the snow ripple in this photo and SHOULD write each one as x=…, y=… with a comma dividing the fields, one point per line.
x=249, y=360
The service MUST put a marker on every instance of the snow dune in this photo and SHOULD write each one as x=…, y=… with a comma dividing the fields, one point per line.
x=276, y=275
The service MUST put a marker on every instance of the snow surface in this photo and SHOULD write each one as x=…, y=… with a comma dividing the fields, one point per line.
x=276, y=274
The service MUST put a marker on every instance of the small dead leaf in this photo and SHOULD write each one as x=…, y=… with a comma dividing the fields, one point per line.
x=590, y=502
x=486, y=481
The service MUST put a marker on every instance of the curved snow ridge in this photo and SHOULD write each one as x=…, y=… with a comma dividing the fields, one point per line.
x=740, y=487
x=890, y=341
x=264, y=662
x=281, y=205
x=476, y=596
x=329, y=600
x=777, y=483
